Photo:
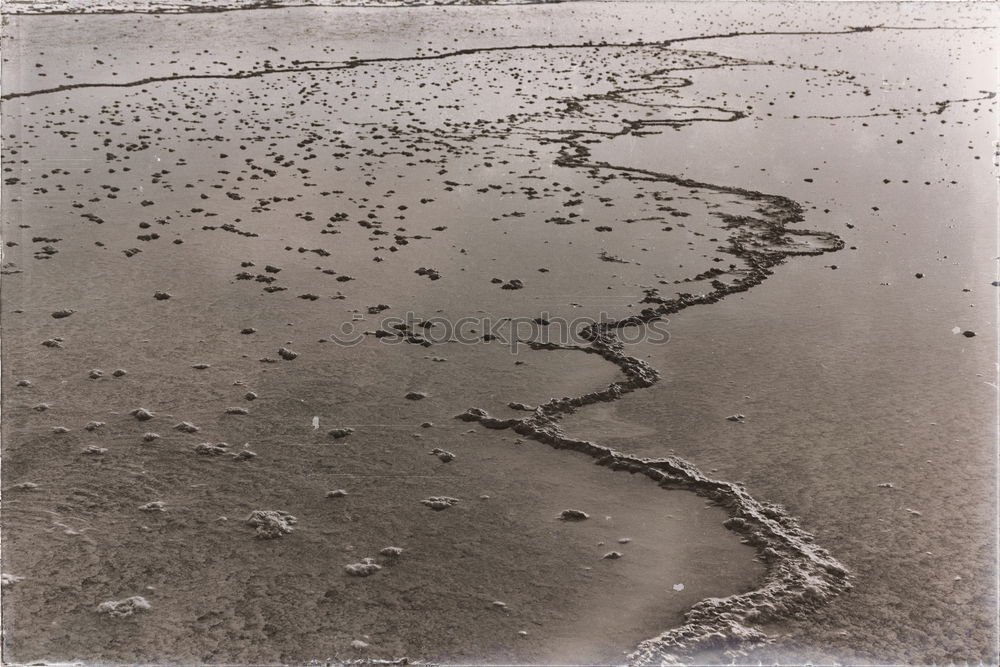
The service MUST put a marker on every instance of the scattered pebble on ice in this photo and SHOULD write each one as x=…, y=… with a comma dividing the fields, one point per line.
x=9, y=579
x=438, y=503
x=123, y=608
x=365, y=568
x=271, y=523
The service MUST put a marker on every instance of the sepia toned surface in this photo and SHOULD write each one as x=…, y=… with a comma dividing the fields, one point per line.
x=783, y=214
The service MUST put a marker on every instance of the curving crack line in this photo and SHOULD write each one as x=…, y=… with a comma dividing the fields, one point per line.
x=939, y=108
x=351, y=64
x=800, y=575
